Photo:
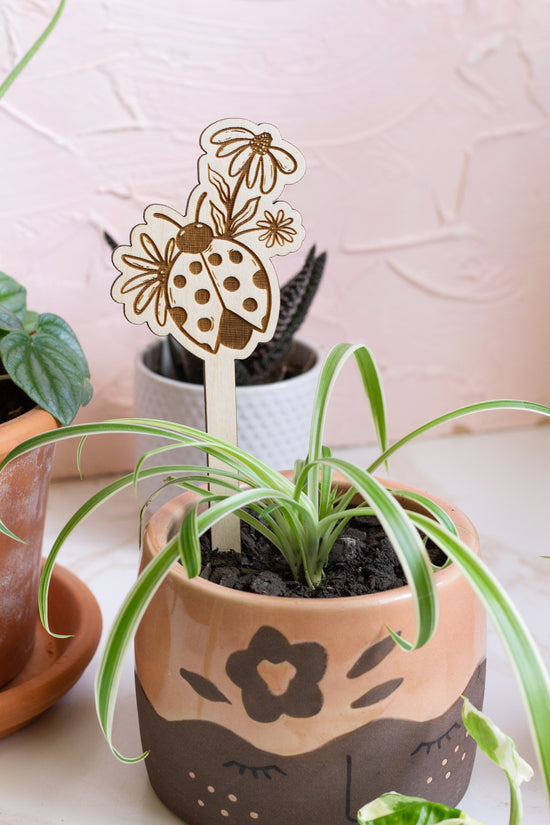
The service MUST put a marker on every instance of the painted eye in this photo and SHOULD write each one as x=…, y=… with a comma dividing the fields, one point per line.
x=429, y=745
x=265, y=770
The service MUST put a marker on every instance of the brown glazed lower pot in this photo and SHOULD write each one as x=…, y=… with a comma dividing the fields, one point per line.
x=277, y=710
x=24, y=488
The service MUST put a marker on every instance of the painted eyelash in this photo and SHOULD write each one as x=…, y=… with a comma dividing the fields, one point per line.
x=429, y=745
x=255, y=771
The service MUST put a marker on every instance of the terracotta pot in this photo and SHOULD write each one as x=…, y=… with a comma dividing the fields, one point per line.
x=279, y=710
x=264, y=411
x=24, y=488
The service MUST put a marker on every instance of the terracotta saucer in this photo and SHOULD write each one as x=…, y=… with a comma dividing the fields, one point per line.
x=55, y=664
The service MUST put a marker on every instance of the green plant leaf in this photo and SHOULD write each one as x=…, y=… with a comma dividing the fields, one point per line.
x=13, y=296
x=55, y=326
x=32, y=51
x=461, y=412
x=47, y=370
x=525, y=659
x=9, y=320
x=398, y=525
x=30, y=323
x=501, y=749
x=396, y=809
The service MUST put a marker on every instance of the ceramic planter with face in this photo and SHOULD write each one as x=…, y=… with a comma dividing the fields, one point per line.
x=24, y=488
x=278, y=710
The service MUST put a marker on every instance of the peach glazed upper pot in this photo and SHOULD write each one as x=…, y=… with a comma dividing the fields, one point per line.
x=24, y=486
x=275, y=710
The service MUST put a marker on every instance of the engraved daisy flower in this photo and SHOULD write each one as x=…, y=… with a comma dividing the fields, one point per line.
x=150, y=282
x=253, y=156
x=278, y=229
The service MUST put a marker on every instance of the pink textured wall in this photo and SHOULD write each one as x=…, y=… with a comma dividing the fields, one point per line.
x=425, y=127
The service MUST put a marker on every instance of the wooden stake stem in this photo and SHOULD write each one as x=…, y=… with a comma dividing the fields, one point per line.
x=221, y=421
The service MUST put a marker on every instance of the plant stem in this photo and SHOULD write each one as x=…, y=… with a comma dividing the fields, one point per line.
x=32, y=51
x=231, y=204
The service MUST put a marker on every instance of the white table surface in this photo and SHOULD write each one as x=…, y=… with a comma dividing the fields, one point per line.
x=59, y=770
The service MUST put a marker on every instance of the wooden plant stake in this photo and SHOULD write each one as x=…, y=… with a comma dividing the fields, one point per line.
x=206, y=278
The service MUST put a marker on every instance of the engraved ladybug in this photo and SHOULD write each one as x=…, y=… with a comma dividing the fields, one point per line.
x=218, y=290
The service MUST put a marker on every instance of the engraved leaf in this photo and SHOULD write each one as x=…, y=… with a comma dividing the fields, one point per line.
x=217, y=218
x=221, y=185
x=204, y=687
x=245, y=214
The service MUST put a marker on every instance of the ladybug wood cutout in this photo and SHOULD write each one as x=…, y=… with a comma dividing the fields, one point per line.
x=207, y=278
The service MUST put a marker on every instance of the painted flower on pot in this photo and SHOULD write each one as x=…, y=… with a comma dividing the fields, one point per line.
x=277, y=677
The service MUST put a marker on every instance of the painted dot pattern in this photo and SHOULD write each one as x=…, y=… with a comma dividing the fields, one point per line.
x=224, y=812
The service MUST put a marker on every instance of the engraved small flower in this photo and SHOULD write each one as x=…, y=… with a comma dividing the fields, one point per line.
x=278, y=229
x=253, y=156
x=150, y=282
x=302, y=697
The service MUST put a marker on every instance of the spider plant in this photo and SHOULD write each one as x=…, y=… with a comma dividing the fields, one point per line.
x=302, y=517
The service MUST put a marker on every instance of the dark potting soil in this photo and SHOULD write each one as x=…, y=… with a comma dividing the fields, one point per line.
x=362, y=561
x=13, y=401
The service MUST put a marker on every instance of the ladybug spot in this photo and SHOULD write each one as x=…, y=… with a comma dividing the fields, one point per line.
x=259, y=279
x=205, y=324
x=235, y=256
x=250, y=304
x=178, y=315
x=195, y=267
x=231, y=284
x=180, y=281
x=215, y=259
x=202, y=296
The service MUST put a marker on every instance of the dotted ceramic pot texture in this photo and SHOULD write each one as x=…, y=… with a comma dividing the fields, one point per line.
x=274, y=710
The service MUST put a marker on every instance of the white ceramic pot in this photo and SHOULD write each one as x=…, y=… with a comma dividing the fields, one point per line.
x=273, y=419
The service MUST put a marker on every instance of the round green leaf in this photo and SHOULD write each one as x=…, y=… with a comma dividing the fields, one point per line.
x=13, y=296
x=9, y=320
x=47, y=370
x=58, y=328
